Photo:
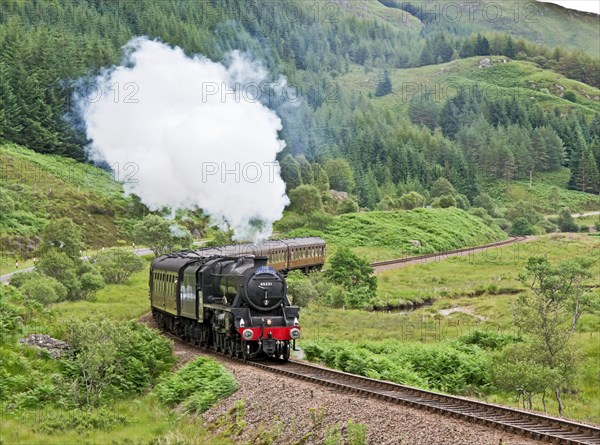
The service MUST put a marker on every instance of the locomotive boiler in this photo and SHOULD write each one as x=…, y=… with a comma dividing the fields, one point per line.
x=234, y=304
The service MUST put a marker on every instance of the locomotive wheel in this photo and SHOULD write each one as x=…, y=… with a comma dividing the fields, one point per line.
x=286, y=351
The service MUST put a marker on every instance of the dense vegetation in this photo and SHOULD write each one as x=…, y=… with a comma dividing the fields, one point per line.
x=197, y=385
x=45, y=50
x=473, y=317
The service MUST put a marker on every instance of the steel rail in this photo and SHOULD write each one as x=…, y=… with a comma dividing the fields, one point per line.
x=525, y=423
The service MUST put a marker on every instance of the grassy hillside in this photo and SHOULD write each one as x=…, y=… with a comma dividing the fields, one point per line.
x=547, y=194
x=542, y=23
x=47, y=186
x=386, y=235
x=514, y=78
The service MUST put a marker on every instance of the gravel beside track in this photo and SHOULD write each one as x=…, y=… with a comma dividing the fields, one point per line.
x=272, y=398
x=304, y=412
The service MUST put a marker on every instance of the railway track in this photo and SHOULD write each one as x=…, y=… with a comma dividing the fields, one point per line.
x=532, y=425
x=451, y=253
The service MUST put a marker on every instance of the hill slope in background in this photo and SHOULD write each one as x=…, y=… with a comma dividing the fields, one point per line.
x=542, y=23
x=387, y=235
x=404, y=96
x=503, y=78
x=43, y=187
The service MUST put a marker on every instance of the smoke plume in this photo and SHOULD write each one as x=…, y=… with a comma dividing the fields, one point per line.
x=186, y=132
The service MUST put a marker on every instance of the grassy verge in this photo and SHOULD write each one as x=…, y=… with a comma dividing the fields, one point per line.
x=493, y=272
x=472, y=293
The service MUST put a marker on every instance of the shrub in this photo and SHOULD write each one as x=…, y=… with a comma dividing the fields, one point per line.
x=548, y=226
x=61, y=235
x=301, y=288
x=305, y=199
x=522, y=209
x=566, y=223
x=412, y=200
x=570, y=96
x=485, y=201
x=160, y=235
x=116, y=265
x=10, y=313
x=289, y=222
x=480, y=212
x=81, y=421
x=521, y=227
x=197, y=385
x=348, y=205
x=80, y=278
x=111, y=358
x=444, y=202
x=7, y=205
x=504, y=224
x=488, y=340
x=319, y=220
x=450, y=366
x=45, y=290
x=351, y=271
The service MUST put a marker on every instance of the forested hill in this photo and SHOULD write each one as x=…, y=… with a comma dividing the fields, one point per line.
x=366, y=71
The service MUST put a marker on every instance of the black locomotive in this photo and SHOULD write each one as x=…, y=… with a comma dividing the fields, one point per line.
x=236, y=305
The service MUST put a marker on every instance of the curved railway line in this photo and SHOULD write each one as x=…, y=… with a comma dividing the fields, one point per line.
x=528, y=424
x=389, y=264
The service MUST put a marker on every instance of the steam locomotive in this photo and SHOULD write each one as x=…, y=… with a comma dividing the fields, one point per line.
x=230, y=298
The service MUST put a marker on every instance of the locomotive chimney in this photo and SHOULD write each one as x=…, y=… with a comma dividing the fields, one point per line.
x=261, y=261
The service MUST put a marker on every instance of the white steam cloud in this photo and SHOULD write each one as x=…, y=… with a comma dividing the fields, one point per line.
x=189, y=139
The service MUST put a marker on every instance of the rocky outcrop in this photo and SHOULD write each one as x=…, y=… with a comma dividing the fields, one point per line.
x=56, y=348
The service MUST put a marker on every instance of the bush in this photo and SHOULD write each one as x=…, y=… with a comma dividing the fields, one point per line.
x=348, y=205
x=45, y=290
x=521, y=227
x=305, y=200
x=351, y=271
x=485, y=201
x=489, y=340
x=11, y=313
x=450, y=366
x=116, y=265
x=412, y=200
x=81, y=421
x=522, y=209
x=300, y=288
x=444, y=202
x=80, y=278
x=112, y=358
x=7, y=205
x=197, y=385
x=289, y=222
x=160, y=235
x=570, y=96
x=566, y=223
x=480, y=212
x=548, y=226
x=504, y=224
x=319, y=220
